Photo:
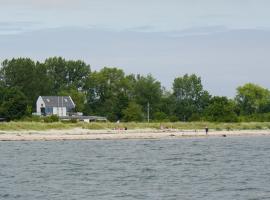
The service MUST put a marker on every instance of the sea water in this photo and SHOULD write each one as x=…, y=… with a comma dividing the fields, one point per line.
x=204, y=168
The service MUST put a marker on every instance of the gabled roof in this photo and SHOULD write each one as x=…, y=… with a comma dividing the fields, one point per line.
x=58, y=101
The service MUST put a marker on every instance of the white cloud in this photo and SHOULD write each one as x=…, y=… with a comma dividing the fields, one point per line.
x=42, y=4
x=150, y=15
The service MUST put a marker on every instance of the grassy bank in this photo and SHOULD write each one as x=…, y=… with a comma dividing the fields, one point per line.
x=16, y=126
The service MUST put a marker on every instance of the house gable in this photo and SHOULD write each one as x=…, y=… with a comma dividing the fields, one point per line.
x=57, y=105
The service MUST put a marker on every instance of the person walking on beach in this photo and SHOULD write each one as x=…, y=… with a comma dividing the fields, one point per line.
x=206, y=130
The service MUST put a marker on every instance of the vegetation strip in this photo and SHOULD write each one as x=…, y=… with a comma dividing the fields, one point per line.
x=117, y=96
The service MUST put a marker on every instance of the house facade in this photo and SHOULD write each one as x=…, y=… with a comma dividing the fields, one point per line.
x=54, y=105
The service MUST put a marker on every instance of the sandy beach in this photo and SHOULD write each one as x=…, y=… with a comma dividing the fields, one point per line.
x=85, y=134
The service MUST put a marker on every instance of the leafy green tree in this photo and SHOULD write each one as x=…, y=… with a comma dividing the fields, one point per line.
x=160, y=116
x=167, y=105
x=107, y=93
x=221, y=109
x=27, y=76
x=133, y=113
x=252, y=98
x=13, y=104
x=78, y=97
x=190, y=96
x=20, y=73
x=148, y=90
x=65, y=74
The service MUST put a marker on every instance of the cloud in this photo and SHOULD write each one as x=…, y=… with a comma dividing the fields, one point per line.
x=139, y=15
x=224, y=59
x=16, y=27
x=42, y=4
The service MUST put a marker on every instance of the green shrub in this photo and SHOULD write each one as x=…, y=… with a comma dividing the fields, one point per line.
x=50, y=119
x=160, y=117
x=173, y=118
x=195, y=117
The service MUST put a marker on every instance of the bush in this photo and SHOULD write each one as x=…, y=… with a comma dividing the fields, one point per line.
x=173, y=118
x=160, y=116
x=32, y=118
x=13, y=104
x=133, y=113
x=194, y=117
x=52, y=118
x=259, y=117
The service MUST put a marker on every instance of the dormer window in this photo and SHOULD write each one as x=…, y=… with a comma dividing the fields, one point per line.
x=48, y=100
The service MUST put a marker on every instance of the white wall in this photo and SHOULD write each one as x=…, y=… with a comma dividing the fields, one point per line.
x=38, y=105
x=61, y=111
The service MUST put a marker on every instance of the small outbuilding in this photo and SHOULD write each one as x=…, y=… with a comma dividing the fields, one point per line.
x=54, y=105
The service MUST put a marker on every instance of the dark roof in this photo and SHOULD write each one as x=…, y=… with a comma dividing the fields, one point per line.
x=58, y=101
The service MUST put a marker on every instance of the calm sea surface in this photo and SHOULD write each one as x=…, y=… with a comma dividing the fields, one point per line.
x=229, y=168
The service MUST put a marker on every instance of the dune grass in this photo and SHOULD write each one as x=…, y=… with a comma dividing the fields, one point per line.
x=16, y=126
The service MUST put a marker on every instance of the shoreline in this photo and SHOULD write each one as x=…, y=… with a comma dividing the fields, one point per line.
x=86, y=134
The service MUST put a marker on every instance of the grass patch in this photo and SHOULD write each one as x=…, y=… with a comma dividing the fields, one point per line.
x=22, y=125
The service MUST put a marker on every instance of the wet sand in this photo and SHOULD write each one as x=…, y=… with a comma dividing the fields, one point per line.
x=85, y=134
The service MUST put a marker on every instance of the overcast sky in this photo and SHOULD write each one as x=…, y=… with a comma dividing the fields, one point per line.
x=226, y=42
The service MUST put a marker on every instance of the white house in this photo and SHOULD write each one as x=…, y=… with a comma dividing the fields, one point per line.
x=54, y=105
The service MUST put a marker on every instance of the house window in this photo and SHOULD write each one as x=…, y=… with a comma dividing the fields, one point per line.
x=49, y=110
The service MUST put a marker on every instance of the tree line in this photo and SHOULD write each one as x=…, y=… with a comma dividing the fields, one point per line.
x=111, y=93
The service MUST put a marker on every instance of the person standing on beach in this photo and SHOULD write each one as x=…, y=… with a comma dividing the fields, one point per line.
x=206, y=130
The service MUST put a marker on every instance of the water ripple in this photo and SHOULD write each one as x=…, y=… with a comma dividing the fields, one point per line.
x=210, y=169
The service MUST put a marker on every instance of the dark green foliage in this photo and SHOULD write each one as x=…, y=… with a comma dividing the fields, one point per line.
x=133, y=113
x=78, y=97
x=262, y=117
x=252, y=98
x=160, y=117
x=221, y=109
x=194, y=117
x=50, y=119
x=13, y=104
x=34, y=79
x=148, y=90
x=65, y=74
x=117, y=96
x=24, y=74
x=190, y=96
x=107, y=93
x=173, y=118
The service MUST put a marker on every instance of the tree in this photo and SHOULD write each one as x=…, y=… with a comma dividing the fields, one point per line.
x=190, y=96
x=133, y=113
x=78, y=97
x=166, y=106
x=148, y=90
x=13, y=103
x=20, y=73
x=27, y=76
x=160, y=116
x=65, y=74
x=252, y=98
x=107, y=93
x=221, y=109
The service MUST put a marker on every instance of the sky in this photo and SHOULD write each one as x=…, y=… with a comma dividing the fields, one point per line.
x=225, y=42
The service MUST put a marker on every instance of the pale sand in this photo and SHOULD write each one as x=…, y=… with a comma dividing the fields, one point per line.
x=84, y=134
